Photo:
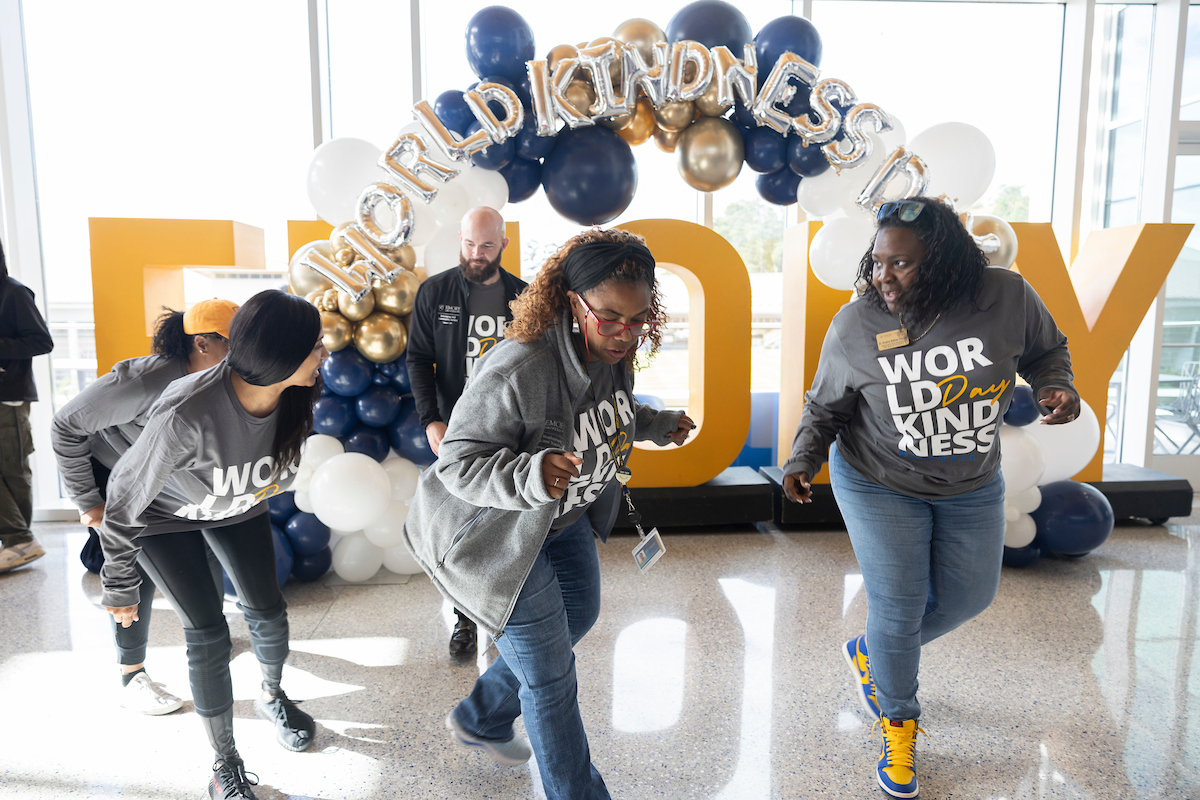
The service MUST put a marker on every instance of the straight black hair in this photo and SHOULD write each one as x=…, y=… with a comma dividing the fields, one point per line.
x=269, y=338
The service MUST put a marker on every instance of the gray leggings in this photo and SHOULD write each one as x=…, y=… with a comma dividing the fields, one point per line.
x=178, y=564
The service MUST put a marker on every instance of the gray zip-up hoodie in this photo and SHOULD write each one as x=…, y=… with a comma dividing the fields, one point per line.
x=482, y=512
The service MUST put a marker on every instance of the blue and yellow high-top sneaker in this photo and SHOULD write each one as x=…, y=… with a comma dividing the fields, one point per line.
x=896, y=772
x=855, y=653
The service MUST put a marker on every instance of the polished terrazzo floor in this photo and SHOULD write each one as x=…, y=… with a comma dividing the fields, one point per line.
x=716, y=675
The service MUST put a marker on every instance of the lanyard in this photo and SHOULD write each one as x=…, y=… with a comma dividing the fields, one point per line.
x=623, y=473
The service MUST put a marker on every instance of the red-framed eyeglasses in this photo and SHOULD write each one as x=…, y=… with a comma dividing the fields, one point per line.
x=610, y=328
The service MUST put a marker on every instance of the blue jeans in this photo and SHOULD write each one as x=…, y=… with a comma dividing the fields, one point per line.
x=928, y=566
x=534, y=673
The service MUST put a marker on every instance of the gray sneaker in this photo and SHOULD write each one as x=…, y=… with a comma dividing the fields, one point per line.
x=510, y=753
x=18, y=555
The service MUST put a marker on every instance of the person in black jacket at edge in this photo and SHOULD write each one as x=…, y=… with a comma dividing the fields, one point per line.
x=23, y=335
x=459, y=314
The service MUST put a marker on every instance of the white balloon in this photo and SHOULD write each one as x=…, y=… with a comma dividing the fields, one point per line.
x=404, y=475
x=960, y=158
x=356, y=560
x=350, y=491
x=819, y=196
x=400, y=561
x=1019, y=532
x=1068, y=447
x=318, y=449
x=338, y=172
x=451, y=204
x=303, y=502
x=1011, y=512
x=483, y=187
x=443, y=249
x=1021, y=459
x=336, y=536
x=838, y=248
x=388, y=530
x=1026, y=501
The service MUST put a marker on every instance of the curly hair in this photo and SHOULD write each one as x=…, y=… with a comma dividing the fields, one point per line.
x=950, y=273
x=541, y=306
x=171, y=340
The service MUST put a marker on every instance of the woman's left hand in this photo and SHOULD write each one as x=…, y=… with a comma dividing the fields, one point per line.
x=686, y=426
x=1064, y=405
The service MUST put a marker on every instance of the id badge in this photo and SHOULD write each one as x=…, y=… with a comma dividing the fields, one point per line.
x=648, y=551
x=892, y=339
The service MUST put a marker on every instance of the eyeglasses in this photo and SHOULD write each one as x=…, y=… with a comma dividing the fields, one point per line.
x=903, y=210
x=608, y=328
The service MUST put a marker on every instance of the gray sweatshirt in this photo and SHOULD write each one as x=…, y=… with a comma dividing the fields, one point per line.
x=105, y=419
x=482, y=512
x=921, y=419
x=202, y=462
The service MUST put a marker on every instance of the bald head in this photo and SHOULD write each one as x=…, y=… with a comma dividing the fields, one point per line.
x=482, y=236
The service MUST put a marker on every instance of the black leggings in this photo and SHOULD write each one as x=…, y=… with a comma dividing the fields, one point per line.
x=178, y=564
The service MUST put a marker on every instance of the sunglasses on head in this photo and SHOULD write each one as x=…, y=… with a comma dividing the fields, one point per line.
x=903, y=210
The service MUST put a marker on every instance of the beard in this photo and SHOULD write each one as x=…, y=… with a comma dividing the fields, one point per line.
x=478, y=273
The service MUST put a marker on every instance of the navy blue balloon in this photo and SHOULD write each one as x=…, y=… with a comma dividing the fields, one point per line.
x=310, y=568
x=591, y=176
x=369, y=441
x=523, y=176
x=711, y=23
x=347, y=373
x=494, y=156
x=766, y=150
x=529, y=144
x=379, y=379
x=778, y=187
x=1023, y=408
x=499, y=42
x=1021, y=556
x=281, y=507
x=390, y=368
x=652, y=400
x=325, y=390
x=408, y=436
x=742, y=115
x=807, y=162
x=307, y=534
x=284, y=558
x=377, y=406
x=334, y=415
x=452, y=109
x=1073, y=518
x=400, y=380
x=788, y=34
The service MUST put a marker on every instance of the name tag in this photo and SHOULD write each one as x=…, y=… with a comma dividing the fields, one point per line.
x=890, y=340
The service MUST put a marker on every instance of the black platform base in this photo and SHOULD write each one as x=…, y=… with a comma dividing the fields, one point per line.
x=1133, y=492
x=738, y=496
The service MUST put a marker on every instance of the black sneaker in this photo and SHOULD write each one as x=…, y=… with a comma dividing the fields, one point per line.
x=231, y=781
x=294, y=729
x=463, y=639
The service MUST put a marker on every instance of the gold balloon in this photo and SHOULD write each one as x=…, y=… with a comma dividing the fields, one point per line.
x=707, y=103
x=329, y=300
x=403, y=255
x=397, y=297
x=336, y=331
x=355, y=311
x=337, y=240
x=675, y=116
x=421, y=273
x=710, y=153
x=1007, y=254
x=643, y=124
x=314, y=297
x=303, y=280
x=558, y=53
x=344, y=257
x=666, y=140
x=617, y=123
x=614, y=68
x=380, y=337
x=642, y=33
x=580, y=94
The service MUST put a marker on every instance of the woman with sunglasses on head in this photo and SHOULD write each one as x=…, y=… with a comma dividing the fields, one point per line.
x=529, y=469
x=99, y=424
x=913, y=381
x=217, y=444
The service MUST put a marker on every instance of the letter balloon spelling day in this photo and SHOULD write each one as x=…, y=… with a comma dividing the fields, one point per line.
x=707, y=88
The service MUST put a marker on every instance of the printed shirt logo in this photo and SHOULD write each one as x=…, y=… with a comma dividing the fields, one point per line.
x=237, y=490
x=448, y=314
x=934, y=406
x=602, y=443
x=482, y=335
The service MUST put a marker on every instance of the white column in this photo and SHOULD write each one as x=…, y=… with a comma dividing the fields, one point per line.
x=1073, y=95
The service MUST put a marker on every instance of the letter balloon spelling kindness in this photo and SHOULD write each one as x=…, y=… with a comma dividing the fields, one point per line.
x=618, y=81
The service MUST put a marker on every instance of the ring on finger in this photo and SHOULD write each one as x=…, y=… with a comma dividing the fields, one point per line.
x=556, y=483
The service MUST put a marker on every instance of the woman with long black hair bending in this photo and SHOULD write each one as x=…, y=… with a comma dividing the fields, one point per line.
x=100, y=423
x=216, y=445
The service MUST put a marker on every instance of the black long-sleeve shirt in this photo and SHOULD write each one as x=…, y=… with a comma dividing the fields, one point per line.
x=23, y=335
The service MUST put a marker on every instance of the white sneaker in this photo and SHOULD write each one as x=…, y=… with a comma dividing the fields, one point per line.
x=511, y=753
x=147, y=697
x=18, y=555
